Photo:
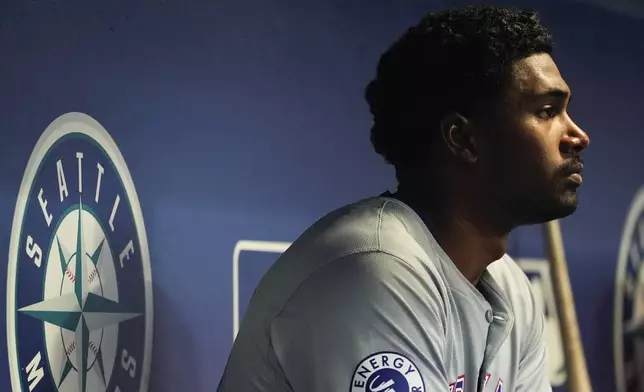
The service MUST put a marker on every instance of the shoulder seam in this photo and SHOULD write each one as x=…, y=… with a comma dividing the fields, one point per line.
x=381, y=211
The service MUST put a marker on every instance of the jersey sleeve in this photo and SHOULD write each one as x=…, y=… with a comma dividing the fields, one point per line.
x=533, y=370
x=365, y=322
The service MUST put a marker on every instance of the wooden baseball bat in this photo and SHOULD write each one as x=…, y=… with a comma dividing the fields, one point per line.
x=578, y=379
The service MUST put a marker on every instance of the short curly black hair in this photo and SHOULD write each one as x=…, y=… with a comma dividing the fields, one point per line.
x=450, y=61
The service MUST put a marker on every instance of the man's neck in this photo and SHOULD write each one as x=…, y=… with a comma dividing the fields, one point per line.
x=466, y=236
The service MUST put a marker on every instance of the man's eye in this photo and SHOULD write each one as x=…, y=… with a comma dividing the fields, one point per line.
x=547, y=113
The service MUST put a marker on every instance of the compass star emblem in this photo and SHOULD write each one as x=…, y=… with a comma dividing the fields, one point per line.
x=79, y=284
x=80, y=311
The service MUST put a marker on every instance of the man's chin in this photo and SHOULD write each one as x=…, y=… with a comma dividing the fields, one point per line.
x=546, y=211
x=563, y=211
x=568, y=203
x=565, y=206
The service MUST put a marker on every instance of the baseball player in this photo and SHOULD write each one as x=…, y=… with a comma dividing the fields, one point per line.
x=413, y=291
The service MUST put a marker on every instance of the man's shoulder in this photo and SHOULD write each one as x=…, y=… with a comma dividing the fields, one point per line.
x=377, y=233
x=375, y=224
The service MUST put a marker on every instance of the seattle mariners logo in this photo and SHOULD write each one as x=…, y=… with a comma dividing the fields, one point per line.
x=79, y=290
x=629, y=302
x=387, y=372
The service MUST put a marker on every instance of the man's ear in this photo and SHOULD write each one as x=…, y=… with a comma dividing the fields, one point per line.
x=458, y=135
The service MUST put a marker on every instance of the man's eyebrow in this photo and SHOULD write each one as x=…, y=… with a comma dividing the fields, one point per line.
x=553, y=93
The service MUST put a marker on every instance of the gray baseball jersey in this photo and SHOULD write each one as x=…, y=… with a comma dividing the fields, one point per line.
x=367, y=301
